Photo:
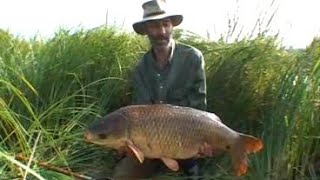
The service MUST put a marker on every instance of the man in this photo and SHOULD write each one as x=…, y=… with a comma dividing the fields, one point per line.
x=170, y=72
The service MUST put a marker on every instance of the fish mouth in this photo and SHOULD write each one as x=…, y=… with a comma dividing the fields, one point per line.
x=88, y=136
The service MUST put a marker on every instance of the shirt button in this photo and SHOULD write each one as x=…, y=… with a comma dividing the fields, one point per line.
x=158, y=75
x=161, y=102
x=161, y=87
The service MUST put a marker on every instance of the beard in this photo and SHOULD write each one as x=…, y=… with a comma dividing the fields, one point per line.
x=160, y=41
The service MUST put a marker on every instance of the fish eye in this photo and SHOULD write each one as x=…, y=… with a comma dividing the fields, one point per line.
x=102, y=136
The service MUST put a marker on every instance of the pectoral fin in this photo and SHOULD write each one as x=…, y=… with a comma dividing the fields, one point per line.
x=170, y=163
x=136, y=151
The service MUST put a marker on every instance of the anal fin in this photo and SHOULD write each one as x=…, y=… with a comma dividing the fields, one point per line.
x=170, y=163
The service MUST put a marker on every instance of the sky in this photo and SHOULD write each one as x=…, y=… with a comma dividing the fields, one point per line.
x=296, y=21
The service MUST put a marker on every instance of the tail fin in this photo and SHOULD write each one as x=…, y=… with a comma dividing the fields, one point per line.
x=245, y=145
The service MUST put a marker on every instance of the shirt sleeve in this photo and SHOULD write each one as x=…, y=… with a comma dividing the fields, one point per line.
x=197, y=96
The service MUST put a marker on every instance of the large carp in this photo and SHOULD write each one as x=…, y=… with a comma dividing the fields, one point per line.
x=169, y=132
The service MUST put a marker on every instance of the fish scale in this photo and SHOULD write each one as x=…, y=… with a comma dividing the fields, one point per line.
x=180, y=135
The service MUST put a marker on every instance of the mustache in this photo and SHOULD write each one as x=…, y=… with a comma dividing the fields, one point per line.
x=160, y=37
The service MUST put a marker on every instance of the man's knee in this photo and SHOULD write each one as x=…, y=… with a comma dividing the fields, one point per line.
x=191, y=168
x=130, y=168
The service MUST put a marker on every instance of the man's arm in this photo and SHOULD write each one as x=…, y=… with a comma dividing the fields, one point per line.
x=198, y=94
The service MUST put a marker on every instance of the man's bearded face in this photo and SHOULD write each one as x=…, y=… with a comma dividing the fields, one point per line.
x=159, y=31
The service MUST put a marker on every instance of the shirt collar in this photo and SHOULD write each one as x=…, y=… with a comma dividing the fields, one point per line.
x=173, y=45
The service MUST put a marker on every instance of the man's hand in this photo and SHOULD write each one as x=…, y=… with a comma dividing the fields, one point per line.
x=207, y=150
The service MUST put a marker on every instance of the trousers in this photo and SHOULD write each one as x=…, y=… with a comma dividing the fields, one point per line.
x=130, y=168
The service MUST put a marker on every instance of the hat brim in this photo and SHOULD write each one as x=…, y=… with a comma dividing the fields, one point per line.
x=138, y=27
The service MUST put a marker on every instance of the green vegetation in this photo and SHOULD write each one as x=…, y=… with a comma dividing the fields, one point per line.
x=50, y=90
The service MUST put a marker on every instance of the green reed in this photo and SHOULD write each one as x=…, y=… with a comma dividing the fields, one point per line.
x=50, y=90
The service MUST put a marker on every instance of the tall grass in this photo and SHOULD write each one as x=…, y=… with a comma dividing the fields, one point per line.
x=68, y=80
x=50, y=90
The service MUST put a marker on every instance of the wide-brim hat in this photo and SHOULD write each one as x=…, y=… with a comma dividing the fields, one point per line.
x=155, y=10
